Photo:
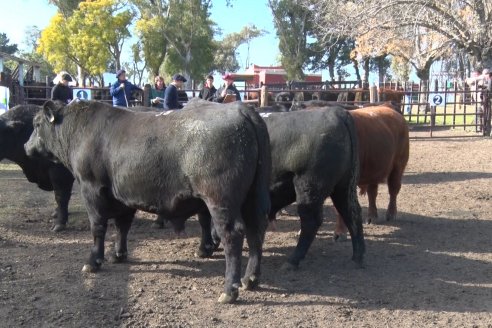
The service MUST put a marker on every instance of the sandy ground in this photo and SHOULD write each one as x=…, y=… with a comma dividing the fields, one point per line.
x=432, y=267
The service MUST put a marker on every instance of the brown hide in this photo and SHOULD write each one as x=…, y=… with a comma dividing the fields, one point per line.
x=383, y=154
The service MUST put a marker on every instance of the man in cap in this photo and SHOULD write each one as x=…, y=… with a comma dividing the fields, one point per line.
x=227, y=89
x=171, y=93
x=61, y=91
x=122, y=89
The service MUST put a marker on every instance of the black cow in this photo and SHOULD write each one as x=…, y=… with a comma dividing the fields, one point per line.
x=15, y=128
x=315, y=156
x=212, y=162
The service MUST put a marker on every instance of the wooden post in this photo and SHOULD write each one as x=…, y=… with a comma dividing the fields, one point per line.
x=48, y=91
x=146, y=95
x=21, y=74
x=263, y=96
x=373, y=93
x=37, y=74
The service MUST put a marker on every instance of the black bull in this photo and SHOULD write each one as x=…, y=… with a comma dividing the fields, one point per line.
x=314, y=156
x=15, y=129
x=207, y=161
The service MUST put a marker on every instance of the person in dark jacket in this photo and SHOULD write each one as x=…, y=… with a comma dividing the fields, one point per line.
x=209, y=90
x=61, y=91
x=228, y=89
x=122, y=89
x=171, y=93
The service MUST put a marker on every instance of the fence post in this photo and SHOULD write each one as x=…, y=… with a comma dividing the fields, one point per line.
x=146, y=95
x=48, y=91
x=486, y=109
x=263, y=96
x=373, y=93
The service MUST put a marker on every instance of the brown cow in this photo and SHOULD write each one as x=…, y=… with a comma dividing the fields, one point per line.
x=390, y=95
x=383, y=155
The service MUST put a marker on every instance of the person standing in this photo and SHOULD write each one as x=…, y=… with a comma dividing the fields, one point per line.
x=228, y=89
x=122, y=89
x=171, y=93
x=209, y=90
x=157, y=93
x=61, y=91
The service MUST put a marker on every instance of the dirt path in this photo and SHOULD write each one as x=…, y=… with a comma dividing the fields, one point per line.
x=431, y=267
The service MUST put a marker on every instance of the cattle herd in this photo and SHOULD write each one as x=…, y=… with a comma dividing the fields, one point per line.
x=231, y=165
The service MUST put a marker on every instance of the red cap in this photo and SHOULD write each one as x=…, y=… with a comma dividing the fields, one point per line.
x=227, y=76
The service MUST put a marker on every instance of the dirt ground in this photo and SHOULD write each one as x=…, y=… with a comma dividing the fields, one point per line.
x=430, y=267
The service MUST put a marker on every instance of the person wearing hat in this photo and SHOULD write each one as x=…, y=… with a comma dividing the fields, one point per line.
x=171, y=93
x=228, y=89
x=61, y=91
x=122, y=89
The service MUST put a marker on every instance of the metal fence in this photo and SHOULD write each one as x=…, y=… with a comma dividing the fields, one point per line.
x=459, y=108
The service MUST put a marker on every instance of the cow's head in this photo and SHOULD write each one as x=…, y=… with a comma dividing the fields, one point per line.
x=43, y=141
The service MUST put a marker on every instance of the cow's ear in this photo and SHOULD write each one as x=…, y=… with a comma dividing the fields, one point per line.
x=49, y=110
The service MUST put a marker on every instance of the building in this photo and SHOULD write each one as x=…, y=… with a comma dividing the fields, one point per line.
x=256, y=75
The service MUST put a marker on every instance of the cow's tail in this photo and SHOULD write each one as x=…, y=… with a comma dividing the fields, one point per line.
x=355, y=168
x=358, y=243
x=261, y=183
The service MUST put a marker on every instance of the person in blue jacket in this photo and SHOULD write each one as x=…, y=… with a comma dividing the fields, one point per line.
x=171, y=93
x=122, y=89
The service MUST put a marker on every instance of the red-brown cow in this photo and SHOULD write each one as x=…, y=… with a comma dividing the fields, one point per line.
x=383, y=155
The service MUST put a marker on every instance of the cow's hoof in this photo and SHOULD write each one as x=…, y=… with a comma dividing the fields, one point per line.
x=229, y=298
x=205, y=253
x=359, y=262
x=249, y=283
x=390, y=217
x=339, y=237
x=58, y=227
x=119, y=257
x=89, y=269
x=287, y=266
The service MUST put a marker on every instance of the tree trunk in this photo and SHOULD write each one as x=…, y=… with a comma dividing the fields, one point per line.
x=366, y=69
x=423, y=74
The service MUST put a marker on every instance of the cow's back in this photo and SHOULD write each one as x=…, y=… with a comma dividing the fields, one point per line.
x=383, y=142
x=316, y=141
x=152, y=160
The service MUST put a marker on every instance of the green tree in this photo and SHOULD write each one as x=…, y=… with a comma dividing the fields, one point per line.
x=330, y=54
x=66, y=7
x=96, y=27
x=176, y=36
x=225, y=59
x=5, y=46
x=293, y=24
x=31, y=40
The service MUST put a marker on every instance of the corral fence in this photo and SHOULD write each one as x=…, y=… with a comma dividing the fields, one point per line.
x=427, y=106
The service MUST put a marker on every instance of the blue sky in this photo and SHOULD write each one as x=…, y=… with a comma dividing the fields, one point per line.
x=263, y=50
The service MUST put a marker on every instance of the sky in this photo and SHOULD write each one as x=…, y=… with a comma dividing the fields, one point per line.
x=263, y=50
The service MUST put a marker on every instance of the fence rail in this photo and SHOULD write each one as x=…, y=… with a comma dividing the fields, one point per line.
x=461, y=107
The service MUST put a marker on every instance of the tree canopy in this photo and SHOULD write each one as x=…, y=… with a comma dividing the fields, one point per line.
x=95, y=27
x=6, y=46
x=462, y=24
